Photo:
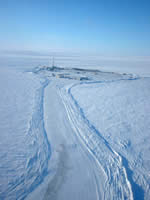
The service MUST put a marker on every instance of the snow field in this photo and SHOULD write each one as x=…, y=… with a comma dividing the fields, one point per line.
x=74, y=134
x=119, y=112
x=24, y=148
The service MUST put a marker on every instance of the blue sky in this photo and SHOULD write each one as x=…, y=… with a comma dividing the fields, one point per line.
x=107, y=27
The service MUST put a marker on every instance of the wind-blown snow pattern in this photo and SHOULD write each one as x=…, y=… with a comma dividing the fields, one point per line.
x=24, y=147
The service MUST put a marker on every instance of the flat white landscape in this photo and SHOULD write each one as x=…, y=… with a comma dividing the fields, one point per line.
x=69, y=133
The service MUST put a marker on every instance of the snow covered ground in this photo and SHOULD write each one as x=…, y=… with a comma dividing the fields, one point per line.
x=118, y=112
x=24, y=147
x=68, y=133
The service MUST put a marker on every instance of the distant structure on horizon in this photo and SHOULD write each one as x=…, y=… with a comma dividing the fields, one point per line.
x=53, y=62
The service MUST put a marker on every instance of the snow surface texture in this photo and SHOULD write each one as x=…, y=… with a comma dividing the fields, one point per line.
x=119, y=115
x=24, y=148
x=75, y=134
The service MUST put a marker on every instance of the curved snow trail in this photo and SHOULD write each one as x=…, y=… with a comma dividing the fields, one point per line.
x=117, y=185
x=36, y=156
x=74, y=172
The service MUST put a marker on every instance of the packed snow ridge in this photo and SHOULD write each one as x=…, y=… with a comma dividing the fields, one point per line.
x=74, y=128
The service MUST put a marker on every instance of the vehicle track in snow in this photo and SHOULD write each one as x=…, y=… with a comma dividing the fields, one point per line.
x=118, y=176
x=76, y=174
x=119, y=183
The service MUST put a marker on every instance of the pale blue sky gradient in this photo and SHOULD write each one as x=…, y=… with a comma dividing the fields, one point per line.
x=107, y=27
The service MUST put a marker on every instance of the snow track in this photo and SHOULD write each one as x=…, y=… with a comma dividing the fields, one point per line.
x=112, y=167
x=118, y=111
x=92, y=126
x=118, y=183
x=74, y=172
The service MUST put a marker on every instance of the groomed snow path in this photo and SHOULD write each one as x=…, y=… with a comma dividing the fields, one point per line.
x=75, y=173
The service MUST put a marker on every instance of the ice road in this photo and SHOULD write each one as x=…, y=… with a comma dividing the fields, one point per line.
x=74, y=134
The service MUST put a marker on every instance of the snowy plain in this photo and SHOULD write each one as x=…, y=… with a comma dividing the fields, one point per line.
x=69, y=133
